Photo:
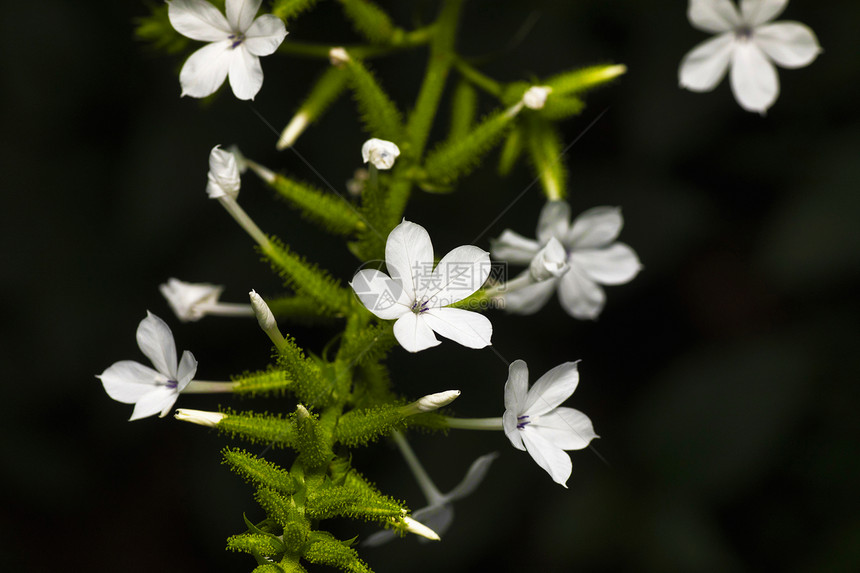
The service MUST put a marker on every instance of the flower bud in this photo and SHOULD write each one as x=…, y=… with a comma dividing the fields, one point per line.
x=435, y=401
x=380, y=153
x=224, y=178
x=535, y=96
x=338, y=57
x=550, y=262
x=262, y=311
x=419, y=528
x=208, y=419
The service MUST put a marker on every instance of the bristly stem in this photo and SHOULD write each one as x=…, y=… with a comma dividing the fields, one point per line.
x=479, y=79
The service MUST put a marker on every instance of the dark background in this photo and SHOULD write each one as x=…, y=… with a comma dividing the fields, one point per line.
x=723, y=380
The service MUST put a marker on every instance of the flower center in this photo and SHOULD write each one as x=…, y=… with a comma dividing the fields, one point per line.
x=522, y=422
x=172, y=384
x=419, y=307
x=744, y=33
x=236, y=39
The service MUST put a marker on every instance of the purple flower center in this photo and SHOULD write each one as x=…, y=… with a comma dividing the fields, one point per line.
x=522, y=422
x=418, y=308
x=172, y=384
x=237, y=39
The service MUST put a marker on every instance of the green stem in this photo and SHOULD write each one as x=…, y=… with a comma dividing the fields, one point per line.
x=475, y=423
x=207, y=387
x=479, y=79
x=245, y=221
x=400, y=42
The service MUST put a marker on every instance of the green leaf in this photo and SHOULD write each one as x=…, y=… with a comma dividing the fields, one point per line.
x=359, y=427
x=262, y=428
x=330, y=211
x=546, y=152
x=290, y=9
x=273, y=381
x=583, y=79
x=464, y=106
x=378, y=112
x=335, y=554
x=259, y=471
x=256, y=543
x=511, y=151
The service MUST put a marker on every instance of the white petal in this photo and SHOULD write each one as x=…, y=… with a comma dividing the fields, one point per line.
x=240, y=13
x=126, y=381
x=565, y=428
x=198, y=20
x=753, y=78
x=789, y=44
x=187, y=370
x=580, y=296
x=413, y=333
x=705, y=65
x=516, y=387
x=156, y=342
x=554, y=221
x=614, y=265
x=465, y=327
x=756, y=12
x=514, y=248
x=381, y=295
x=409, y=255
x=265, y=35
x=460, y=273
x=596, y=227
x=204, y=70
x=530, y=299
x=550, y=262
x=477, y=471
x=514, y=434
x=380, y=153
x=184, y=297
x=551, y=389
x=246, y=74
x=713, y=15
x=158, y=401
x=224, y=177
x=379, y=538
x=551, y=458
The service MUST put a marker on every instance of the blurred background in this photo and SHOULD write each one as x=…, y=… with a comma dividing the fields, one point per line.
x=721, y=380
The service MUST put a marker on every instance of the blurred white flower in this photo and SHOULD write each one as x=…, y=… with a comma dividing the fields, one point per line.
x=151, y=391
x=224, y=177
x=534, y=421
x=190, y=301
x=380, y=153
x=748, y=44
x=593, y=255
x=236, y=44
x=535, y=97
x=416, y=294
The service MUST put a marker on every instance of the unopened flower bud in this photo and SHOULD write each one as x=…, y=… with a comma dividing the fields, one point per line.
x=435, y=401
x=224, y=177
x=380, y=153
x=338, y=56
x=208, y=419
x=419, y=528
x=293, y=130
x=262, y=311
x=535, y=96
x=550, y=262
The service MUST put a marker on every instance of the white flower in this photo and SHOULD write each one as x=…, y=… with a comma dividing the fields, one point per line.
x=236, y=42
x=550, y=262
x=535, y=97
x=593, y=256
x=151, y=391
x=224, y=177
x=415, y=294
x=200, y=417
x=749, y=45
x=190, y=301
x=380, y=153
x=439, y=512
x=534, y=422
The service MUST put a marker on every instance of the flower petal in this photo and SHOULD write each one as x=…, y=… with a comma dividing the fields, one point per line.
x=379, y=538
x=756, y=12
x=156, y=342
x=265, y=35
x=516, y=387
x=382, y=295
x=184, y=297
x=460, y=273
x=551, y=389
x=240, y=13
x=566, y=428
x=789, y=44
x=204, y=70
x=529, y=299
x=476, y=474
x=187, y=370
x=705, y=65
x=514, y=434
x=409, y=255
x=198, y=20
x=596, y=227
x=614, y=265
x=514, y=248
x=713, y=15
x=126, y=381
x=753, y=78
x=246, y=74
x=551, y=458
x=554, y=221
x=580, y=296
x=465, y=327
x=158, y=401
x=413, y=333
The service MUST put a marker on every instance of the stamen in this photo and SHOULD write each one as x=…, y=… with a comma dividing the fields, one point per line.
x=522, y=422
x=237, y=39
x=171, y=384
x=418, y=308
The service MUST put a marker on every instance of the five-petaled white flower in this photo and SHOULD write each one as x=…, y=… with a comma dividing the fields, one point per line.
x=151, y=391
x=236, y=44
x=380, y=153
x=439, y=512
x=748, y=44
x=415, y=294
x=593, y=256
x=190, y=301
x=535, y=422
